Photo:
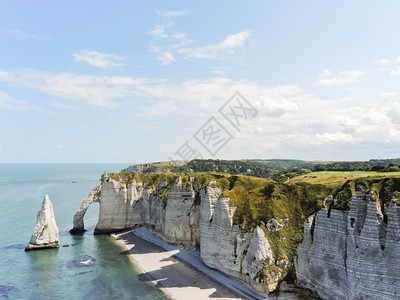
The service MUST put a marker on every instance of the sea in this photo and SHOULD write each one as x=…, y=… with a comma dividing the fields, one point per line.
x=85, y=266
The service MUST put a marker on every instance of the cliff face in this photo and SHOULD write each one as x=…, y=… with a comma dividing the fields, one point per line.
x=225, y=247
x=352, y=254
x=45, y=233
x=124, y=206
x=196, y=217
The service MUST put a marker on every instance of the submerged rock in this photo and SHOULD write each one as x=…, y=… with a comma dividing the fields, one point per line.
x=45, y=233
x=6, y=290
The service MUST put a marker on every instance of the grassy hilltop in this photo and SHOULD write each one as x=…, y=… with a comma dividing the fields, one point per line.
x=259, y=200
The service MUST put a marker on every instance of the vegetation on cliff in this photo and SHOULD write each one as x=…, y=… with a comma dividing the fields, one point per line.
x=152, y=180
x=338, y=178
x=278, y=208
x=278, y=169
x=258, y=200
x=384, y=190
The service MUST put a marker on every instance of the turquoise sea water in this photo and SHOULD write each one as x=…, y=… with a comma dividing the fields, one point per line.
x=60, y=273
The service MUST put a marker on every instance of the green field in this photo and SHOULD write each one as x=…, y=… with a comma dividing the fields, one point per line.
x=336, y=178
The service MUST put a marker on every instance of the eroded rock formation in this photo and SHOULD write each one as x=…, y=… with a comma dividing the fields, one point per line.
x=226, y=247
x=78, y=217
x=45, y=233
x=345, y=254
x=352, y=254
x=199, y=218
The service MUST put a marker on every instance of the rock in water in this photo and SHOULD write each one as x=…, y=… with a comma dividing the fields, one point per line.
x=45, y=233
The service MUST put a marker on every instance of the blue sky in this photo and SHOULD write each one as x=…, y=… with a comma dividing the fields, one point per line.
x=134, y=81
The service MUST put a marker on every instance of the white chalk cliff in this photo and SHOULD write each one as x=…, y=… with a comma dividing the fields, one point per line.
x=352, y=254
x=225, y=247
x=345, y=254
x=45, y=233
x=200, y=219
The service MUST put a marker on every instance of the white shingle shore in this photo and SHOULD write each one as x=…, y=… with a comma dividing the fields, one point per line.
x=179, y=272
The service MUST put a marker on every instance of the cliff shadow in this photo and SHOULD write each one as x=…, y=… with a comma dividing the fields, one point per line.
x=169, y=272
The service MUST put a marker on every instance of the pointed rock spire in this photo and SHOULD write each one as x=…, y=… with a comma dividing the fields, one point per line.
x=45, y=233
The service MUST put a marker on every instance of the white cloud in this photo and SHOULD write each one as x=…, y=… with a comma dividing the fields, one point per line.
x=383, y=62
x=170, y=44
x=159, y=31
x=258, y=131
x=285, y=113
x=65, y=106
x=350, y=98
x=178, y=35
x=10, y=103
x=171, y=13
x=336, y=137
x=148, y=126
x=228, y=46
x=175, y=40
x=395, y=72
x=288, y=120
x=60, y=146
x=220, y=71
x=98, y=59
x=205, y=97
x=394, y=112
x=276, y=107
x=165, y=57
x=192, y=96
x=87, y=89
x=21, y=36
x=388, y=96
x=328, y=78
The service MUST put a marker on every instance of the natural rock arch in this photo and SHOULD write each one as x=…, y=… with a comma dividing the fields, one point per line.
x=94, y=196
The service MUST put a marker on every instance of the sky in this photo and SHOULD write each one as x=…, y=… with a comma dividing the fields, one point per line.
x=142, y=81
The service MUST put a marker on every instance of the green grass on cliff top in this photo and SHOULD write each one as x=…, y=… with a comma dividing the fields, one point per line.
x=337, y=178
x=258, y=200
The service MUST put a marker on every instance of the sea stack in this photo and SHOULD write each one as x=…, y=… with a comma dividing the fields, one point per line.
x=45, y=233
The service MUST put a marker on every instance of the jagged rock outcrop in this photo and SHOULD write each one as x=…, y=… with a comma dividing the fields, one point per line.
x=226, y=247
x=45, y=233
x=345, y=254
x=352, y=254
x=181, y=223
x=124, y=206
x=143, y=168
x=196, y=217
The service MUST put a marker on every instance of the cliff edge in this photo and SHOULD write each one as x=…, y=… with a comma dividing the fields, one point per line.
x=196, y=212
x=266, y=233
x=353, y=253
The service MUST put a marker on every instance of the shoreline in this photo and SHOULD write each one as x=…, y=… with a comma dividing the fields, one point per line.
x=179, y=272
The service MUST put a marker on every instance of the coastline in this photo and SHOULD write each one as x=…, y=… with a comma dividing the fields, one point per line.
x=179, y=272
